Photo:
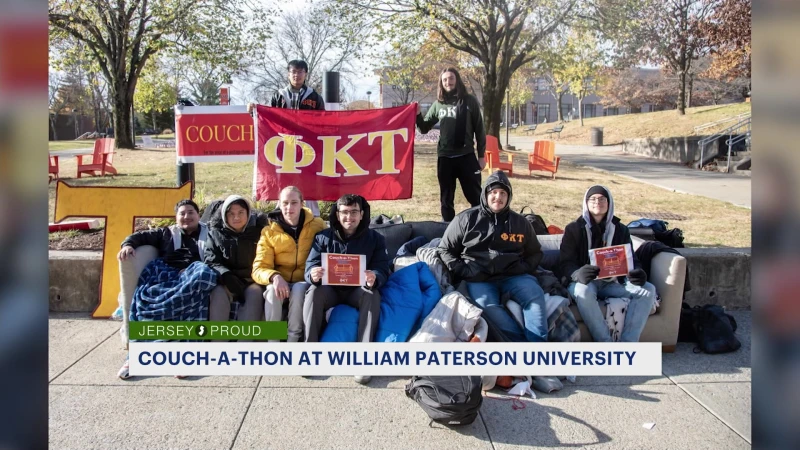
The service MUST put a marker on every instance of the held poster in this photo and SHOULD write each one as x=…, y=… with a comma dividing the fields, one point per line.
x=344, y=270
x=614, y=261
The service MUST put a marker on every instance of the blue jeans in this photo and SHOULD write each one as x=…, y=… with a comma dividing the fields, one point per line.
x=641, y=302
x=525, y=290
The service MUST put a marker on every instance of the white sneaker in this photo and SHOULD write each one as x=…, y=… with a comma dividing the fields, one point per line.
x=124, y=371
x=362, y=379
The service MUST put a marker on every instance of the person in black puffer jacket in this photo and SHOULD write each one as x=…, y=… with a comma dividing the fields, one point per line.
x=230, y=251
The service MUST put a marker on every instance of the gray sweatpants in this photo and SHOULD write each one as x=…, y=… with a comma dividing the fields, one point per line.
x=273, y=308
x=220, y=304
x=320, y=298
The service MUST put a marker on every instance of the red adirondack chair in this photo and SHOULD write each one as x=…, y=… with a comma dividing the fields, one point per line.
x=493, y=157
x=102, y=159
x=544, y=157
x=52, y=172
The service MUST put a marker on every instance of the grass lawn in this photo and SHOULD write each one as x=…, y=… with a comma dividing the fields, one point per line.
x=710, y=223
x=644, y=125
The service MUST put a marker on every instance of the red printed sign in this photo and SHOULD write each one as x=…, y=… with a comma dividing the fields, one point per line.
x=331, y=153
x=223, y=96
x=213, y=134
x=344, y=270
x=613, y=261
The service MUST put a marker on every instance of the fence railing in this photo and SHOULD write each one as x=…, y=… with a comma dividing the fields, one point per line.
x=716, y=123
x=737, y=132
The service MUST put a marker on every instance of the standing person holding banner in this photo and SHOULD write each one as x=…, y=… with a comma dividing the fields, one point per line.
x=297, y=96
x=462, y=134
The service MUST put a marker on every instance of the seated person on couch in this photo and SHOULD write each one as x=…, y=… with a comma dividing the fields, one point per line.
x=495, y=251
x=598, y=227
x=281, y=258
x=231, y=248
x=176, y=285
x=349, y=233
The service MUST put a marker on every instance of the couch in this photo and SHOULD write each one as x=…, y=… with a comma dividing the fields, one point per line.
x=668, y=272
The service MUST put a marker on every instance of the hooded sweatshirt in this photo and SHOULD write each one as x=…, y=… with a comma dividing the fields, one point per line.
x=459, y=120
x=231, y=251
x=305, y=98
x=364, y=241
x=583, y=234
x=481, y=245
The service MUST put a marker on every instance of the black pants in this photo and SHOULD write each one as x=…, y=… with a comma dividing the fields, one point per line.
x=321, y=298
x=466, y=170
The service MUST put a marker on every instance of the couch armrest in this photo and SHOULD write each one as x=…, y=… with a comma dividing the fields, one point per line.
x=668, y=275
x=129, y=271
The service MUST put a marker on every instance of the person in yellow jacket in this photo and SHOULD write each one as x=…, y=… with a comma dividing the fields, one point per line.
x=281, y=258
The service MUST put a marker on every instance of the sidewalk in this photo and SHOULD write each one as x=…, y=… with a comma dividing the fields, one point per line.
x=701, y=401
x=729, y=188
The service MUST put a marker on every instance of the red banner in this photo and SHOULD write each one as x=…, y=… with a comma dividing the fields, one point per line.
x=213, y=134
x=330, y=153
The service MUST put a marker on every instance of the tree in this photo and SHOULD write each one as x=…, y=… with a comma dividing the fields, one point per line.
x=582, y=65
x=623, y=87
x=154, y=92
x=408, y=72
x=519, y=92
x=728, y=31
x=551, y=65
x=663, y=32
x=313, y=35
x=501, y=36
x=123, y=35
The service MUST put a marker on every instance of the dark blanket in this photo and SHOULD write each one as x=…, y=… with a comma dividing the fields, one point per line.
x=649, y=249
x=165, y=293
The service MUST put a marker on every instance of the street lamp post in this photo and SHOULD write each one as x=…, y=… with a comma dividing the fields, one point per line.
x=508, y=119
x=369, y=106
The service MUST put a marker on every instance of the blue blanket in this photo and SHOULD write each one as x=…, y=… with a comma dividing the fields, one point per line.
x=165, y=293
x=408, y=296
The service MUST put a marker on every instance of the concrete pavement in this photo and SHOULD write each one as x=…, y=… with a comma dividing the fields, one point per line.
x=729, y=188
x=700, y=401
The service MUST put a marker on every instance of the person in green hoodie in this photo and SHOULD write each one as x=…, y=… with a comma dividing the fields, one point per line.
x=461, y=135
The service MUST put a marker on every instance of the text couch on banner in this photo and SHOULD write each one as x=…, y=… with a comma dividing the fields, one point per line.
x=331, y=153
x=213, y=134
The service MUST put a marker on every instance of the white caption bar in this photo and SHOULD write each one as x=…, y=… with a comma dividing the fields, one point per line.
x=394, y=359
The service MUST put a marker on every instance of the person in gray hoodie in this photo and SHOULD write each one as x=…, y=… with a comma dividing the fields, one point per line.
x=230, y=250
x=596, y=228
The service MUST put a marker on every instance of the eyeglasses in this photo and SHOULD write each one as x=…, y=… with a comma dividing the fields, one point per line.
x=349, y=212
x=597, y=200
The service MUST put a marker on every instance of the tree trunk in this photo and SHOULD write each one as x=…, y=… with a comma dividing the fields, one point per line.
x=122, y=121
x=154, y=119
x=53, y=118
x=580, y=108
x=492, y=105
x=682, y=92
x=558, y=107
x=689, y=91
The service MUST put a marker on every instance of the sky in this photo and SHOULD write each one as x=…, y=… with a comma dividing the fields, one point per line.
x=364, y=80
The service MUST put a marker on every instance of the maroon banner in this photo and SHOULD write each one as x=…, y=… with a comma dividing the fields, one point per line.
x=331, y=153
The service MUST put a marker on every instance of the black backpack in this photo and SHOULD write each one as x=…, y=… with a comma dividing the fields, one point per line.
x=673, y=237
x=710, y=327
x=448, y=400
x=539, y=227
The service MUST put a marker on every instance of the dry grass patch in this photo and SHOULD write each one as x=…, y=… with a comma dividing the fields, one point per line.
x=709, y=222
x=645, y=125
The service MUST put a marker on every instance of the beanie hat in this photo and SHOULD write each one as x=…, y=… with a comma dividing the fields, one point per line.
x=596, y=190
